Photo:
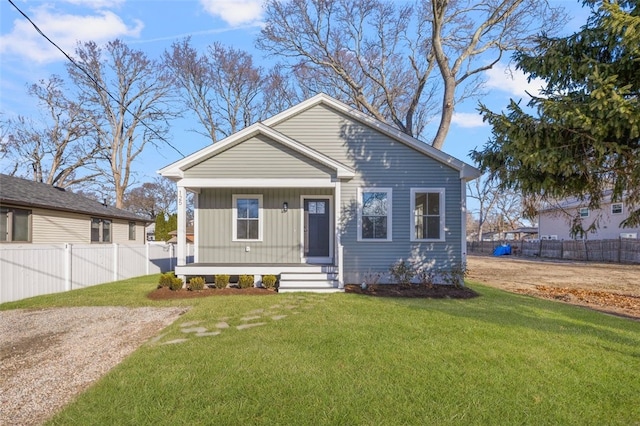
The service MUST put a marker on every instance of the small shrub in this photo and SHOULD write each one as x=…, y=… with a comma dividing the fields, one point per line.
x=196, y=283
x=370, y=279
x=245, y=281
x=176, y=283
x=269, y=281
x=222, y=280
x=455, y=276
x=166, y=279
x=426, y=277
x=402, y=273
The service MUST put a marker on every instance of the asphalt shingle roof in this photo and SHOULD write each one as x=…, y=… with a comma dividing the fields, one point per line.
x=22, y=192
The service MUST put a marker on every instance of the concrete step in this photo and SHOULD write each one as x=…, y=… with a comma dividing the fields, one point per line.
x=319, y=283
x=310, y=290
x=308, y=276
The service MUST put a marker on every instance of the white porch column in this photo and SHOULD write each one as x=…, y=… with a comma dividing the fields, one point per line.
x=181, y=255
x=337, y=202
x=196, y=201
x=463, y=227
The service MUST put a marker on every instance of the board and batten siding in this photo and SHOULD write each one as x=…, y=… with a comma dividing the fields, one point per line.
x=380, y=161
x=259, y=156
x=53, y=226
x=281, y=241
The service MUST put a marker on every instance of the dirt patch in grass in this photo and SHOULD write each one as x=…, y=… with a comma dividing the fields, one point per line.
x=165, y=294
x=414, y=291
x=608, y=287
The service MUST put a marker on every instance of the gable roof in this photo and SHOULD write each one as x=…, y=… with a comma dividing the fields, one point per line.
x=467, y=171
x=22, y=192
x=175, y=170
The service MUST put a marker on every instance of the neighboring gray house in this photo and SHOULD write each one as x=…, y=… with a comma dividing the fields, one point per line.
x=554, y=222
x=34, y=212
x=322, y=195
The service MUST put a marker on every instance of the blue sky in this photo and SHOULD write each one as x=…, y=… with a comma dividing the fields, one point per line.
x=151, y=26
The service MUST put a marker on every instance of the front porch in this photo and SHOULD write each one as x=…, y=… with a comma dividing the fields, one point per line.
x=292, y=276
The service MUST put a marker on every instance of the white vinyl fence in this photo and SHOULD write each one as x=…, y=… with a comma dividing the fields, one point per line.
x=28, y=270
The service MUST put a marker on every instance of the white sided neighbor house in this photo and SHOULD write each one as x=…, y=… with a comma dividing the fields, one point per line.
x=554, y=222
x=320, y=195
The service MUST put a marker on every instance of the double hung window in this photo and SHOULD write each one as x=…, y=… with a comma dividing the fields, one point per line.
x=247, y=217
x=374, y=214
x=427, y=214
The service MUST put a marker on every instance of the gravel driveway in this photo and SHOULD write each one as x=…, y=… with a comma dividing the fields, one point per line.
x=49, y=356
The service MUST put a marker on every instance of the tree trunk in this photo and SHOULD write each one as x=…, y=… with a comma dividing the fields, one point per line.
x=448, y=101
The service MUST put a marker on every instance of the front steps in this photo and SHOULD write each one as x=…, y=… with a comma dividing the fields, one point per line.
x=312, y=280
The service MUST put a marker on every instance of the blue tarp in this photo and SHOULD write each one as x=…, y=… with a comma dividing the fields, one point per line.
x=502, y=250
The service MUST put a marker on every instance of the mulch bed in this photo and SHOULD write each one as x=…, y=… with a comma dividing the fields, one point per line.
x=414, y=291
x=165, y=294
x=379, y=290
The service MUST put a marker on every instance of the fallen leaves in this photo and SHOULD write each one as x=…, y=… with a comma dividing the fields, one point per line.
x=630, y=304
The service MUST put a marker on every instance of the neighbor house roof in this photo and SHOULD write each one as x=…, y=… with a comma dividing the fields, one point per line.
x=176, y=169
x=22, y=192
x=574, y=202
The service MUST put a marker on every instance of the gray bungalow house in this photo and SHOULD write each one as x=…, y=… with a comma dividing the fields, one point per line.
x=321, y=195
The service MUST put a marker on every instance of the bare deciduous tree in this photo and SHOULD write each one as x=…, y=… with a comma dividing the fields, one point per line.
x=223, y=87
x=497, y=208
x=136, y=117
x=52, y=150
x=379, y=56
x=151, y=198
x=191, y=73
x=237, y=84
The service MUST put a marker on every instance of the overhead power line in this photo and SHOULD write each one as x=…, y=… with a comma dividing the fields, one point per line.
x=96, y=83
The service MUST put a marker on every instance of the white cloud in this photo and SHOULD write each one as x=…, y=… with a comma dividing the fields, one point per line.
x=65, y=30
x=234, y=12
x=97, y=4
x=512, y=81
x=467, y=119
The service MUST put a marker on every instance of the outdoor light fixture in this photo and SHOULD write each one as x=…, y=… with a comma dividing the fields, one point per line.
x=285, y=207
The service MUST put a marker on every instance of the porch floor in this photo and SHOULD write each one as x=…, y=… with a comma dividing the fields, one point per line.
x=251, y=268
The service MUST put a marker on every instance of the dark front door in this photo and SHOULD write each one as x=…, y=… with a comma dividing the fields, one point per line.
x=316, y=227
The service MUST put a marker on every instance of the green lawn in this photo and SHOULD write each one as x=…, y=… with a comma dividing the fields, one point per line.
x=348, y=359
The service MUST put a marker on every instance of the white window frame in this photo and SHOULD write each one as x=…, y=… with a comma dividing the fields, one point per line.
x=234, y=224
x=584, y=209
x=412, y=228
x=621, y=208
x=389, y=192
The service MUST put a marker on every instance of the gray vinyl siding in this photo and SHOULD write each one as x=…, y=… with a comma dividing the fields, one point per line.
x=281, y=241
x=259, y=157
x=380, y=161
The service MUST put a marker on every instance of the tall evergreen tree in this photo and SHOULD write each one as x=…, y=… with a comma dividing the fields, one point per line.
x=583, y=137
x=161, y=232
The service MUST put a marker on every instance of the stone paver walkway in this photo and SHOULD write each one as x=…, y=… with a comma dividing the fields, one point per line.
x=293, y=305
